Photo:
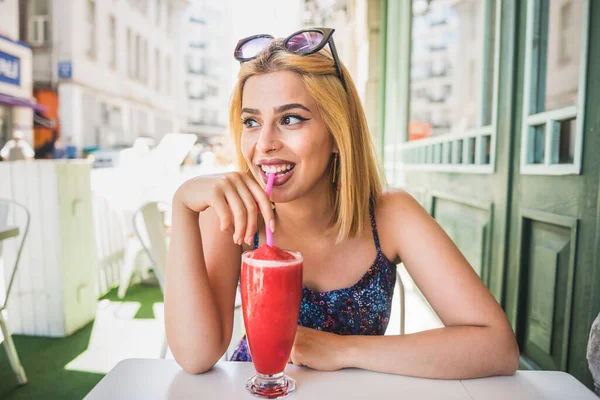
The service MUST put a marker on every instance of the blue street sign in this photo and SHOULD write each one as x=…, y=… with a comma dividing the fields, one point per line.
x=65, y=69
x=10, y=69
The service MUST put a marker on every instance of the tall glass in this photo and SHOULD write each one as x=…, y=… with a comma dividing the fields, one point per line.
x=271, y=296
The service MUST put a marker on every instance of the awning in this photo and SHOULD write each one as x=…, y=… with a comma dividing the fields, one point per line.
x=40, y=120
x=20, y=102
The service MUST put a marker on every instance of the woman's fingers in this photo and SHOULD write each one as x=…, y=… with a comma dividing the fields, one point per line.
x=251, y=212
x=237, y=200
x=221, y=207
x=263, y=202
x=238, y=210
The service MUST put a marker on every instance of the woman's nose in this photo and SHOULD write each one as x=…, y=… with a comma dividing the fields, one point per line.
x=268, y=140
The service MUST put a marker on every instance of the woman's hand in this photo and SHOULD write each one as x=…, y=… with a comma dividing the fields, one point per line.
x=236, y=199
x=318, y=350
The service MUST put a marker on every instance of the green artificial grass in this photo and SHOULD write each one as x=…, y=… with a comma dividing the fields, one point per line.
x=44, y=358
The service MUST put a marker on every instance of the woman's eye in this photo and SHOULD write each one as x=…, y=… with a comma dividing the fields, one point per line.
x=292, y=120
x=249, y=123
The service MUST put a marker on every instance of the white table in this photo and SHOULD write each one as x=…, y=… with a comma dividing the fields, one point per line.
x=164, y=379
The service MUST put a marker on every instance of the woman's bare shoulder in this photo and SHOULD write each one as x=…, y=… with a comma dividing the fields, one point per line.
x=399, y=217
x=396, y=203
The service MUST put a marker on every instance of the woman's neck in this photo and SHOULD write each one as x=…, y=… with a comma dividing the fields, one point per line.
x=306, y=217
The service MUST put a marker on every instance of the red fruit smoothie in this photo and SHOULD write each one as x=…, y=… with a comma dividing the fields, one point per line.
x=271, y=286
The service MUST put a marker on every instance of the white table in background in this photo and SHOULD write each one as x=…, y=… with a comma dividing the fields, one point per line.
x=164, y=379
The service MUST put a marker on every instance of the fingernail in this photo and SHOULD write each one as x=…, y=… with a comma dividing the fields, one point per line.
x=272, y=225
x=249, y=240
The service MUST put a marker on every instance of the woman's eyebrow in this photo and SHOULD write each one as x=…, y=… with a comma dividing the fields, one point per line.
x=251, y=111
x=286, y=107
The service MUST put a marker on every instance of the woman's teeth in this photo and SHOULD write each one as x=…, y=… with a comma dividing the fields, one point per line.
x=276, y=169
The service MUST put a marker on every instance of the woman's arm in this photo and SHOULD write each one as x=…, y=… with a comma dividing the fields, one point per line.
x=477, y=339
x=203, y=264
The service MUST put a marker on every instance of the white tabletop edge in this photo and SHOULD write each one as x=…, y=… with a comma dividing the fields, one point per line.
x=164, y=379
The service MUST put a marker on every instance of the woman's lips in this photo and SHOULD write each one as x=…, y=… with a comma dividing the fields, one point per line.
x=279, y=179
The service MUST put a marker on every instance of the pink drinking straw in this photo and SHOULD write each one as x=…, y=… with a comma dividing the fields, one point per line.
x=268, y=189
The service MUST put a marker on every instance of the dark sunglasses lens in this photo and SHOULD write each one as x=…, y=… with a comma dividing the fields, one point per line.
x=304, y=42
x=252, y=48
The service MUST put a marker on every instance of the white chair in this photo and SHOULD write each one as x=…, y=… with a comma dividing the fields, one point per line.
x=150, y=224
x=150, y=227
x=21, y=228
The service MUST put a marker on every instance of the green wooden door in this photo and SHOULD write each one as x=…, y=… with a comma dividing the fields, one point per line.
x=490, y=120
x=552, y=271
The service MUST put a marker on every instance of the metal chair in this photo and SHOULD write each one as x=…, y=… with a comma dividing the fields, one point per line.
x=401, y=301
x=10, y=232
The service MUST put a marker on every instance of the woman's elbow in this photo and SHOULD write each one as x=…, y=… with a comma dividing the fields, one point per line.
x=197, y=365
x=508, y=359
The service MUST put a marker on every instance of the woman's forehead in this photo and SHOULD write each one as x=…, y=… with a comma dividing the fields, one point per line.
x=274, y=89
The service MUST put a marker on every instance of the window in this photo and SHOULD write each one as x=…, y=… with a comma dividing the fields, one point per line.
x=38, y=32
x=157, y=76
x=140, y=6
x=168, y=19
x=91, y=28
x=130, y=55
x=138, y=56
x=453, y=73
x=168, y=76
x=144, y=61
x=158, y=12
x=555, y=62
x=566, y=33
x=450, y=66
x=112, y=42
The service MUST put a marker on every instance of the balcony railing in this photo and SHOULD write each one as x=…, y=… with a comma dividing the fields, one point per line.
x=197, y=20
x=198, y=71
x=198, y=45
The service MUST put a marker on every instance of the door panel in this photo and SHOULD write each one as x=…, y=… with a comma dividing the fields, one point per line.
x=468, y=224
x=548, y=246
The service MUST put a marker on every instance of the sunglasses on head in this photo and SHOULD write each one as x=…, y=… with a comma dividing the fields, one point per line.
x=303, y=42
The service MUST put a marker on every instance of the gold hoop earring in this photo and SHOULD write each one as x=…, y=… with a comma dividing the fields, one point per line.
x=335, y=163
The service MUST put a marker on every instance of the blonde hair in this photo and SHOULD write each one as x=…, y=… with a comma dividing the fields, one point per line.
x=358, y=178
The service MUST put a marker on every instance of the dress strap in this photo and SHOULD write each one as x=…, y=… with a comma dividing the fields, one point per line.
x=374, y=226
x=255, y=241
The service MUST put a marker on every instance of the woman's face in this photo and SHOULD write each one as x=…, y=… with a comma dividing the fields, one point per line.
x=283, y=133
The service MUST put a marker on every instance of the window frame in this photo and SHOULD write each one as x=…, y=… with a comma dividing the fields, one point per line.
x=551, y=119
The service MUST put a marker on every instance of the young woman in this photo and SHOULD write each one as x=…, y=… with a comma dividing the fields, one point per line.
x=295, y=111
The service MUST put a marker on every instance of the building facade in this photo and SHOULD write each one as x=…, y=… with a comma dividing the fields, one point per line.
x=16, y=85
x=358, y=41
x=106, y=68
x=514, y=176
x=207, y=83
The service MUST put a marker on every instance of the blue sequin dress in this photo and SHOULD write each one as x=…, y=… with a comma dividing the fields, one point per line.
x=361, y=309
